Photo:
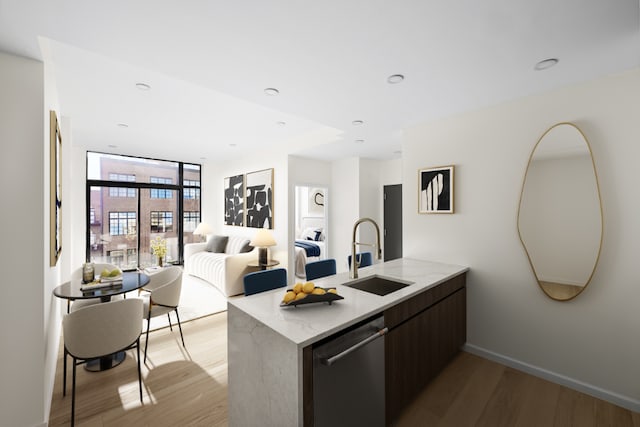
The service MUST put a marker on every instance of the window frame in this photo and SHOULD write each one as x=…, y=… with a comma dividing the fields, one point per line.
x=161, y=215
x=136, y=186
x=127, y=220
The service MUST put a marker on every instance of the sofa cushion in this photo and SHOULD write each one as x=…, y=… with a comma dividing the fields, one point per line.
x=217, y=244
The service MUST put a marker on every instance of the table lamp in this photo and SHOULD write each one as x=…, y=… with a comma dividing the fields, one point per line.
x=203, y=229
x=262, y=240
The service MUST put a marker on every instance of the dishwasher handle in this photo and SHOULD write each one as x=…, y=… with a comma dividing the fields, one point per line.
x=333, y=359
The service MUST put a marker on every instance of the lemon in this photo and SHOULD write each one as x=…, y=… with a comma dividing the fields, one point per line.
x=104, y=273
x=297, y=288
x=116, y=272
x=333, y=291
x=307, y=288
x=319, y=291
x=300, y=295
x=289, y=296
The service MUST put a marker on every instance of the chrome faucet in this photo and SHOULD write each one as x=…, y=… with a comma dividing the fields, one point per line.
x=355, y=263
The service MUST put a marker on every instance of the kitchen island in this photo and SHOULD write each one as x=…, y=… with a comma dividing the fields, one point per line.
x=269, y=347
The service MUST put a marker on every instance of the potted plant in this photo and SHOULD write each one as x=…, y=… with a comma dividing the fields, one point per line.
x=159, y=249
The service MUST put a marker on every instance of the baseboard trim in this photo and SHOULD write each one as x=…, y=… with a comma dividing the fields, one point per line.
x=615, y=398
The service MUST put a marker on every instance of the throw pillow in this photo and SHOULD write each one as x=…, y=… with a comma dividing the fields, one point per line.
x=246, y=248
x=217, y=244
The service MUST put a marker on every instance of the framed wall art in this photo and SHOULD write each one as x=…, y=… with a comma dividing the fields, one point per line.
x=316, y=202
x=435, y=186
x=259, y=199
x=55, y=189
x=234, y=200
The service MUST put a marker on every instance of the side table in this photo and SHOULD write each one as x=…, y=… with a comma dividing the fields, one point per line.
x=263, y=265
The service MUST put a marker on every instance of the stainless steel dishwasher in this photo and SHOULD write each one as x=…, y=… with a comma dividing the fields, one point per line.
x=348, y=377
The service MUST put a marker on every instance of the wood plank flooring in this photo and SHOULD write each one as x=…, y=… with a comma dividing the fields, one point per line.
x=189, y=388
x=473, y=391
x=180, y=387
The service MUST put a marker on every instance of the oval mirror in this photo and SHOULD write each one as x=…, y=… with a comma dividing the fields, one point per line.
x=560, y=212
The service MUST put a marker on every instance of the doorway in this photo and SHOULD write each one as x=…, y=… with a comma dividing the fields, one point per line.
x=392, y=221
x=311, y=226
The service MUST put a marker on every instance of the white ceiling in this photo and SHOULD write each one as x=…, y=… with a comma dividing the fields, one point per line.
x=208, y=62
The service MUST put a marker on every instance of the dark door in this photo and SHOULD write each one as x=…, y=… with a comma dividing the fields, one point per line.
x=392, y=221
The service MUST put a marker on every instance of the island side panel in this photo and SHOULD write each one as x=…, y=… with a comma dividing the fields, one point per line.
x=265, y=374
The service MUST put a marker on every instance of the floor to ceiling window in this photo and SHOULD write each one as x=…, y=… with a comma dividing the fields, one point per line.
x=132, y=200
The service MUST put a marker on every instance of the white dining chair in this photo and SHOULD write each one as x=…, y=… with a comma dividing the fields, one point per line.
x=99, y=330
x=162, y=297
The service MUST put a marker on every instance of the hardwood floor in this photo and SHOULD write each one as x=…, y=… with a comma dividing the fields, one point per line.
x=473, y=391
x=180, y=387
x=189, y=388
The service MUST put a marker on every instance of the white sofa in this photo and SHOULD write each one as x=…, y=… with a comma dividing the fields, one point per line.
x=223, y=270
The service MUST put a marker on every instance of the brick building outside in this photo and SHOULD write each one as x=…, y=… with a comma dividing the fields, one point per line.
x=114, y=214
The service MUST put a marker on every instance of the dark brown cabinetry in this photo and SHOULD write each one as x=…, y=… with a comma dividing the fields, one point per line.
x=425, y=333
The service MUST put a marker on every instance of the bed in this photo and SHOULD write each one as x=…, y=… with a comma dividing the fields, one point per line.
x=309, y=244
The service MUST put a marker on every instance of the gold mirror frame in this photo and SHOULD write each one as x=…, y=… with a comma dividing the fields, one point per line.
x=550, y=288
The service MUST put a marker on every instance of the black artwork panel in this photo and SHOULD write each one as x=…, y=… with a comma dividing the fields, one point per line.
x=234, y=200
x=259, y=202
x=444, y=198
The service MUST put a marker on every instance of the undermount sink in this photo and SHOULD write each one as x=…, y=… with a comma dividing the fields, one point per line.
x=378, y=285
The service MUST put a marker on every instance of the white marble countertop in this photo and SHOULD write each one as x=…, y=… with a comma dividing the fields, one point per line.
x=306, y=324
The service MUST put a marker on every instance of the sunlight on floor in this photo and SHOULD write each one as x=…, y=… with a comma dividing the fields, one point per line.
x=126, y=391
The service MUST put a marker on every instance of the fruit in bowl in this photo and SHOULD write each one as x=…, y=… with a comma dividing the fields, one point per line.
x=302, y=290
x=113, y=273
x=289, y=296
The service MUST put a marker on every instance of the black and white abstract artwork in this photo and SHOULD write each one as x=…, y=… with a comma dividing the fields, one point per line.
x=234, y=200
x=436, y=190
x=260, y=199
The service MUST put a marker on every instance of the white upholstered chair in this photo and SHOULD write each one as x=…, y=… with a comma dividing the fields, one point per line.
x=163, y=297
x=100, y=330
x=77, y=275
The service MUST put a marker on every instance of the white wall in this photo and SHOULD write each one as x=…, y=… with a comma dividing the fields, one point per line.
x=27, y=277
x=213, y=204
x=369, y=206
x=344, y=209
x=390, y=172
x=592, y=341
x=53, y=307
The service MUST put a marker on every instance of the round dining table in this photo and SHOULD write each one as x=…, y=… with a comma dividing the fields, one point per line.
x=73, y=290
x=131, y=280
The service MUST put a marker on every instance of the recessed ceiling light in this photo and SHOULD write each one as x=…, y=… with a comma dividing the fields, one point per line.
x=545, y=64
x=203, y=158
x=123, y=125
x=357, y=122
x=232, y=144
x=112, y=146
x=271, y=91
x=397, y=152
x=281, y=123
x=359, y=141
x=395, y=78
x=143, y=86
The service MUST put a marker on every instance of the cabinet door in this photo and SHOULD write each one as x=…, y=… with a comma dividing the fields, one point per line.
x=418, y=349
